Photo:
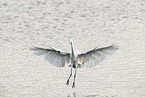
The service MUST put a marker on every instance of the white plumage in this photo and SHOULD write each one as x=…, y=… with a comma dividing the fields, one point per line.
x=88, y=59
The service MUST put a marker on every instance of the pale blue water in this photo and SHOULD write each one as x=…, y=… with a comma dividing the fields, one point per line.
x=25, y=23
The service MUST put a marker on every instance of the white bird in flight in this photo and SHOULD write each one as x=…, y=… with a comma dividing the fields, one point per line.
x=88, y=59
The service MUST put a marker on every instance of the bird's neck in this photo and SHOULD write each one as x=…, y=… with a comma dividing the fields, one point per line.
x=72, y=49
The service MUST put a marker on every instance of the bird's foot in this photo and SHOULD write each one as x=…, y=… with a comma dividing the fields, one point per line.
x=73, y=85
x=67, y=82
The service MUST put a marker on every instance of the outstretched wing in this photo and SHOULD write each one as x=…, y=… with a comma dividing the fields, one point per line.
x=55, y=57
x=93, y=57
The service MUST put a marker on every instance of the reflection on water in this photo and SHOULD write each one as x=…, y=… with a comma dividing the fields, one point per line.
x=74, y=95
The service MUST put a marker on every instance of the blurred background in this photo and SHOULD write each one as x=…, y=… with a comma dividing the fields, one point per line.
x=89, y=23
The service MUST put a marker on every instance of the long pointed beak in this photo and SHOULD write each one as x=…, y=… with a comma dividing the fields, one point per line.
x=69, y=41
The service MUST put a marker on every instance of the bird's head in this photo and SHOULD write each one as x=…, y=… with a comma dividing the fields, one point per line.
x=70, y=41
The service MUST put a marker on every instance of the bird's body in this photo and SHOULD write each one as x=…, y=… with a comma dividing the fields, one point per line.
x=88, y=59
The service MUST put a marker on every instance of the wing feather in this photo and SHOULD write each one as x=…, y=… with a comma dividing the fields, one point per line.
x=53, y=56
x=96, y=55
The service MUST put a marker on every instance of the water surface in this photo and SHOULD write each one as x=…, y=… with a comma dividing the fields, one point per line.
x=25, y=23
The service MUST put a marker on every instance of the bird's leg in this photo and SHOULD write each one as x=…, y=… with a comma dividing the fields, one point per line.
x=69, y=77
x=74, y=78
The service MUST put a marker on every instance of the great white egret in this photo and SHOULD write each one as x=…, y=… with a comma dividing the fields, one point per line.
x=88, y=59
